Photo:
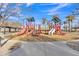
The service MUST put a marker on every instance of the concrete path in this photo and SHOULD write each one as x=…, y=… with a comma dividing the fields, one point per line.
x=4, y=50
x=44, y=49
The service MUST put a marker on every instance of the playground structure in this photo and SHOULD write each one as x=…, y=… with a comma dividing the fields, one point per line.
x=56, y=30
x=29, y=29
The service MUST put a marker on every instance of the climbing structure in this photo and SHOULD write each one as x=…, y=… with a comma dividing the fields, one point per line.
x=58, y=29
x=57, y=26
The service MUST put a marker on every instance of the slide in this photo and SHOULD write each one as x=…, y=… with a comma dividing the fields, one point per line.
x=51, y=31
x=23, y=30
x=30, y=32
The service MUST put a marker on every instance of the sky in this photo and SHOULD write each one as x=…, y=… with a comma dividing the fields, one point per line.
x=47, y=10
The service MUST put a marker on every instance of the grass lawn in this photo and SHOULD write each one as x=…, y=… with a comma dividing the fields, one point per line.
x=67, y=37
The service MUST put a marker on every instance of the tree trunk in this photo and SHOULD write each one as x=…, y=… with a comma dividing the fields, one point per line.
x=45, y=29
x=70, y=26
x=34, y=25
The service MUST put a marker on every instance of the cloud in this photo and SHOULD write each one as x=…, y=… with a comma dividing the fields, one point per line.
x=29, y=4
x=53, y=13
x=44, y=4
x=59, y=7
x=18, y=4
x=13, y=18
x=55, y=9
x=4, y=5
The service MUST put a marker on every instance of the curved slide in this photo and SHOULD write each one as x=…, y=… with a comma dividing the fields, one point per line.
x=51, y=32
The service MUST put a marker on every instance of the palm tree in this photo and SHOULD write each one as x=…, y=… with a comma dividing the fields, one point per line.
x=65, y=25
x=70, y=19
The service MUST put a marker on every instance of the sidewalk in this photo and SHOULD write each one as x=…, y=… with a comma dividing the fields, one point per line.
x=4, y=50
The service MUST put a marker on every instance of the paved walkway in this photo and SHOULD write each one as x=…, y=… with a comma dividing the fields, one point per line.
x=4, y=50
x=44, y=49
x=39, y=49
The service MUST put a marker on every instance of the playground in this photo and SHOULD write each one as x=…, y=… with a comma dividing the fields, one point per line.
x=53, y=27
x=29, y=32
x=32, y=35
x=21, y=24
